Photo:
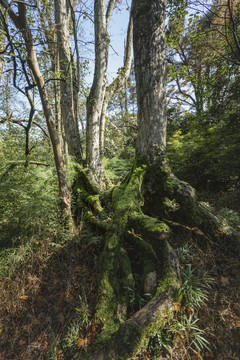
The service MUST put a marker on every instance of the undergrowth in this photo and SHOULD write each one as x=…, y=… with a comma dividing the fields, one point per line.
x=182, y=331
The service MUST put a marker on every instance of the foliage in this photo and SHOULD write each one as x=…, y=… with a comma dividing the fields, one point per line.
x=29, y=195
x=183, y=327
x=207, y=156
x=195, y=287
x=118, y=167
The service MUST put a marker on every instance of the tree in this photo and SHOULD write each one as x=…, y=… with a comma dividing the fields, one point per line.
x=202, y=55
x=117, y=83
x=21, y=23
x=2, y=42
x=63, y=16
x=95, y=99
x=100, y=93
x=150, y=207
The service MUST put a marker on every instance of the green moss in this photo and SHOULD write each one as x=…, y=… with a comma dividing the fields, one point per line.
x=171, y=277
x=83, y=181
x=149, y=226
x=134, y=338
x=128, y=195
x=146, y=250
x=127, y=282
x=96, y=221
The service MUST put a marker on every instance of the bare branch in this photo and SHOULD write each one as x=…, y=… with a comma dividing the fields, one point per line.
x=109, y=11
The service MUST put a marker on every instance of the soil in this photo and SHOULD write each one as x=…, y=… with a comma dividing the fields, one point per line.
x=43, y=299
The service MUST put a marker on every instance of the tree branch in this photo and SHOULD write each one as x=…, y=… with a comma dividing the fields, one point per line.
x=109, y=11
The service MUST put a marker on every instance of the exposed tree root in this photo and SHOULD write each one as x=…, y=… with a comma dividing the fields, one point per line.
x=147, y=196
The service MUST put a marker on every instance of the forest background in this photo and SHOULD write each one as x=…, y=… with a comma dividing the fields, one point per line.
x=51, y=221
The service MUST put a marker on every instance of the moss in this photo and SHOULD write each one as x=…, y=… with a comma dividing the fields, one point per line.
x=128, y=195
x=83, y=181
x=171, y=276
x=149, y=226
x=96, y=221
x=127, y=282
x=147, y=252
x=134, y=338
x=124, y=197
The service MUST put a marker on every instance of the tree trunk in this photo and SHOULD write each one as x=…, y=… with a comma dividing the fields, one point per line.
x=68, y=114
x=2, y=41
x=57, y=101
x=150, y=72
x=21, y=23
x=118, y=82
x=96, y=96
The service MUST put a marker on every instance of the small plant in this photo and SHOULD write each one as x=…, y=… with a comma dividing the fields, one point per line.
x=72, y=335
x=83, y=313
x=183, y=327
x=53, y=352
x=229, y=216
x=184, y=254
x=195, y=287
x=78, y=328
x=191, y=336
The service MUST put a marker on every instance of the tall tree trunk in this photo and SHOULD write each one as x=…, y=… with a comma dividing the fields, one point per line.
x=95, y=99
x=96, y=96
x=21, y=23
x=150, y=72
x=2, y=41
x=118, y=82
x=57, y=100
x=68, y=113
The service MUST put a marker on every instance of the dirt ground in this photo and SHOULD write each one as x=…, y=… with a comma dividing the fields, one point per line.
x=42, y=298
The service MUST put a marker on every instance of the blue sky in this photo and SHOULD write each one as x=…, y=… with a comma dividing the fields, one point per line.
x=117, y=31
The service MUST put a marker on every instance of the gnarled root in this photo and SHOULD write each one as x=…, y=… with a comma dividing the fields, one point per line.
x=141, y=203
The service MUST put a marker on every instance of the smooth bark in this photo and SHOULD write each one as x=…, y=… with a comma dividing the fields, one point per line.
x=96, y=96
x=118, y=82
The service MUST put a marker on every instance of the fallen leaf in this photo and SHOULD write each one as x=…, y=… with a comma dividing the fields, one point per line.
x=176, y=307
x=82, y=343
x=22, y=342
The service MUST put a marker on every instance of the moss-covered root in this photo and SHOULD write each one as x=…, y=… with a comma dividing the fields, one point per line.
x=150, y=263
x=148, y=226
x=179, y=202
x=125, y=197
x=134, y=334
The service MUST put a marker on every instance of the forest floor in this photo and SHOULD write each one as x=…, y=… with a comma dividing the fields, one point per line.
x=47, y=301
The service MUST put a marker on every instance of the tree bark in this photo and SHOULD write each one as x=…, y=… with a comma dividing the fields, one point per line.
x=118, y=82
x=68, y=112
x=97, y=92
x=2, y=42
x=150, y=72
